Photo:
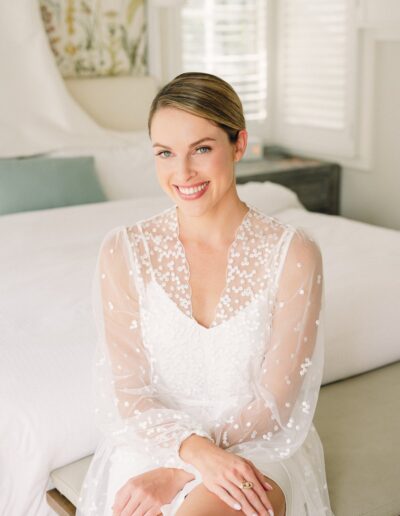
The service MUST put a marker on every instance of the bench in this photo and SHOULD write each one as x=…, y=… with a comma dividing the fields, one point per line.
x=358, y=420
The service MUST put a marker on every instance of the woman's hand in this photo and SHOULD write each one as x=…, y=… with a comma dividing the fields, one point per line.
x=223, y=472
x=146, y=493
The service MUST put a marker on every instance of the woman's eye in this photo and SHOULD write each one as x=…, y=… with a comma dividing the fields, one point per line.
x=205, y=147
x=162, y=152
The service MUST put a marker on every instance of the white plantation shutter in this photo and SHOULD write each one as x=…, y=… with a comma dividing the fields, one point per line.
x=315, y=81
x=228, y=38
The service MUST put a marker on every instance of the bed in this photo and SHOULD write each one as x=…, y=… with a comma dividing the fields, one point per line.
x=47, y=331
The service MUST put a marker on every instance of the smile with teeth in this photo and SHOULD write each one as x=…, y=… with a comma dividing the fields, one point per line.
x=193, y=190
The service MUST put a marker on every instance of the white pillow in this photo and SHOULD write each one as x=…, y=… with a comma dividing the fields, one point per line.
x=126, y=171
x=268, y=197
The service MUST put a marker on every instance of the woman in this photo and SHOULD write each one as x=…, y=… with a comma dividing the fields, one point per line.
x=210, y=349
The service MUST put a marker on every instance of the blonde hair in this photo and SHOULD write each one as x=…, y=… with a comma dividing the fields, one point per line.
x=204, y=95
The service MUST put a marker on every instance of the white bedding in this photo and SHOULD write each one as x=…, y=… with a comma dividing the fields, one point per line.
x=47, y=333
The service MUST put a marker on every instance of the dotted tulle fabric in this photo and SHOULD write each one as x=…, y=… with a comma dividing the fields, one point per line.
x=249, y=382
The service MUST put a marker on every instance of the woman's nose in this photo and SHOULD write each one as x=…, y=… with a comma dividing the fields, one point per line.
x=184, y=171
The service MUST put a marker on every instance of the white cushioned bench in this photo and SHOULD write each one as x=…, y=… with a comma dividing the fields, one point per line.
x=358, y=420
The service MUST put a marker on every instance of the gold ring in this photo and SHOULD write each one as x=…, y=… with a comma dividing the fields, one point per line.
x=246, y=485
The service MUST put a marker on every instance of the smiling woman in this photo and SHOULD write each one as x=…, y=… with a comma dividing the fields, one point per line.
x=200, y=178
x=210, y=342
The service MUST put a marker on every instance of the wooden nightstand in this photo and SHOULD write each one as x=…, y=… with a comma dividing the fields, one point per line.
x=316, y=183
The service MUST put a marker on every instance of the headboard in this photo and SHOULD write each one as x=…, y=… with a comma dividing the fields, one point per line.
x=120, y=103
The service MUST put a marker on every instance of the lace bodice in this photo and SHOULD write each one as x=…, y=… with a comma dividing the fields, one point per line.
x=251, y=378
x=246, y=274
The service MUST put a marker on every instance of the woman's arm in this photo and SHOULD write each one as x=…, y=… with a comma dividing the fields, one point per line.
x=128, y=407
x=286, y=384
x=149, y=491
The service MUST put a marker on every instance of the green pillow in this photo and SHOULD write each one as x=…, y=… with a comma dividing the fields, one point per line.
x=39, y=183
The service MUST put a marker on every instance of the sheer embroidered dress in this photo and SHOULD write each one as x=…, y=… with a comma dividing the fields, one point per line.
x=250, y=381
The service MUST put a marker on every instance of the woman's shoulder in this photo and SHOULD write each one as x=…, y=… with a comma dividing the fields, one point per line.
x=267, y=226
x=153, y=224
x=274, y=232
x=112, y=236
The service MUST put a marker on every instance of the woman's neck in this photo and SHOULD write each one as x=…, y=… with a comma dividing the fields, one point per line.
x=215, y=227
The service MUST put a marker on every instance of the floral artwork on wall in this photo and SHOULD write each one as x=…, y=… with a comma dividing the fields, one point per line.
x=92, y=38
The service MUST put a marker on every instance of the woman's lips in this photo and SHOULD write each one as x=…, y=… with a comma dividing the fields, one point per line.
x=192, y=197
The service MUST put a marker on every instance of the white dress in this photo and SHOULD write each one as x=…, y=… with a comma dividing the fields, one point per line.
x=250, y=381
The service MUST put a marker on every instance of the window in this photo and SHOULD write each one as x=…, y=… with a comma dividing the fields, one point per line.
x=294, y=64
x=316, y=72
x=228, y=38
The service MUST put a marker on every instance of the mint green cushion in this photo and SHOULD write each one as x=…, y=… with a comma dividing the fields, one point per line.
x=40, y=183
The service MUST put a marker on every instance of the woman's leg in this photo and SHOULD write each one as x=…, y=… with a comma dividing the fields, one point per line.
x=202, y=502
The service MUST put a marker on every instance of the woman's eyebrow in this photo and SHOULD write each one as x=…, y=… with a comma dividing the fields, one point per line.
x=191, y=145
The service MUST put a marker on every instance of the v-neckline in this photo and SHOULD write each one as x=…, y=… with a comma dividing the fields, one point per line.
x=194, y=322
x=233, y=244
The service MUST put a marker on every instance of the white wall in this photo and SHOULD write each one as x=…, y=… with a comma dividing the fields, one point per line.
x=373, y=196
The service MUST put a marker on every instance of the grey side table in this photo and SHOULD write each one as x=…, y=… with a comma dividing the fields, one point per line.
x=316, y=183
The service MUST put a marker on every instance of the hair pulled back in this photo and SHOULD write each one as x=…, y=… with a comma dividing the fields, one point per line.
x=205, y=95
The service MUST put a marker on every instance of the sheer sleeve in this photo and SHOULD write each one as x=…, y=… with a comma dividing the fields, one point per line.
x=286, y=383
x=128, y=409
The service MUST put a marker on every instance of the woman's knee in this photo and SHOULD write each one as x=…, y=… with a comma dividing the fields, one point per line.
x=202, y=502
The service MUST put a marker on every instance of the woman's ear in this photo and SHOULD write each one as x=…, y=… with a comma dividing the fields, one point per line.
x=240, y=145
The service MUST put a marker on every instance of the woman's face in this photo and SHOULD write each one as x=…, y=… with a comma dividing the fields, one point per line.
x=191, y=151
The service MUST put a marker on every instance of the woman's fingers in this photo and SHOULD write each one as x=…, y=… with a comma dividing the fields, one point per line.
x=227, y=498
x=121, y=499
x=131, y=507
x=248, y=506
x=153, y=512
x=257, y=495
x=262, y=480
x=266, y=483
x=259, y=498
x=261, y=477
